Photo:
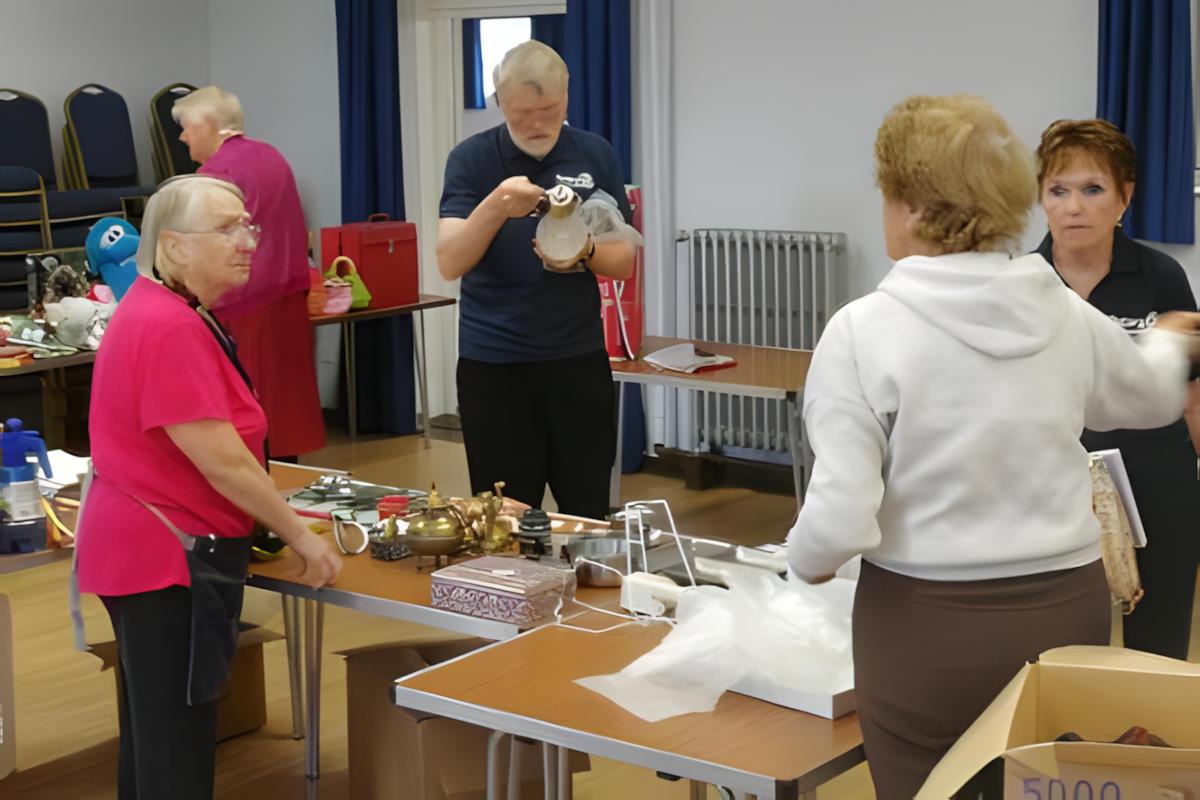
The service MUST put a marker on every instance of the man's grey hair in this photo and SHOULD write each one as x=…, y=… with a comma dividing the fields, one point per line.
x=177, y=205
x=531, y=64
x=213, y=103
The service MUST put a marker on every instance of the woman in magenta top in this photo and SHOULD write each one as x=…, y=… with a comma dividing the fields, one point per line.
x=268, y=316
x=177, y=449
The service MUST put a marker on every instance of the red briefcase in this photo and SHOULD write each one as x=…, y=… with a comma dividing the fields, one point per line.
x=385, y=252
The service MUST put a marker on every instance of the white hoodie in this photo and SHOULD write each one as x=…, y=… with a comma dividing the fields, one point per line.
x=945, y=411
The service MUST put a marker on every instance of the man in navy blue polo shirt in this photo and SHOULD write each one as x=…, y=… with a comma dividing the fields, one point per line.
x=535, y=391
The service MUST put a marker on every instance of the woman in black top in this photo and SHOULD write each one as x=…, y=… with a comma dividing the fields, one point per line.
x=1086, y=177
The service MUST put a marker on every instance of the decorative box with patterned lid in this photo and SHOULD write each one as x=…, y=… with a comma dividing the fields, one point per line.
x=514, y=590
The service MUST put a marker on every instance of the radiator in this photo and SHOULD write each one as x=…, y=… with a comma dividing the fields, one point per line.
x=772, y=288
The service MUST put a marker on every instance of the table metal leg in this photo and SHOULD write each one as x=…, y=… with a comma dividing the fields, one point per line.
x=351, y=383
x=314, y=623
x=614, y=481
x=566, y=788
x=54, y=407
x=801, y=453
x=549, y=771
x=493, y=764
x=514, y=768
x=423, y=383
x=294, y=638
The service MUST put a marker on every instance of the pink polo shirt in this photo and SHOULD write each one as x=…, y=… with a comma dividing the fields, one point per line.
x=158, y=365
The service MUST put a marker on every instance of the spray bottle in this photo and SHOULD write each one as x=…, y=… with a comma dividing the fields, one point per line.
x=23, y=523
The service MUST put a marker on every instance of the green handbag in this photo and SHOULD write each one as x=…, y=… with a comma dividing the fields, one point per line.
x=359, y=296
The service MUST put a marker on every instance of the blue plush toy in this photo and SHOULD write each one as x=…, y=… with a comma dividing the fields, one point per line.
x=112, y=253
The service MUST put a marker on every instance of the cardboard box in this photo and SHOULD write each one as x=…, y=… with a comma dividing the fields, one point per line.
x=243, y=706
x=8, y=739
x=396, y=753
x=1098, y=693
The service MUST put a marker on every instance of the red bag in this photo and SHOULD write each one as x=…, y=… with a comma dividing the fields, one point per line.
x=623, y=315
x=385, y=252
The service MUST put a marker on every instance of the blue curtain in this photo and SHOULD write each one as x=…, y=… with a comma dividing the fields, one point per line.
x=1145, y=89
x=596, y=43
x=595, y=37
x=472, y=65
x=548, y=29
x=373, y=181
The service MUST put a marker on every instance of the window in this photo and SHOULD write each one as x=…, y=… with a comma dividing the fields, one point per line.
x=497, y=37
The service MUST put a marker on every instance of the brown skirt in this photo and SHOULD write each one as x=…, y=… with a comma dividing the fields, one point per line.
x=929, y=656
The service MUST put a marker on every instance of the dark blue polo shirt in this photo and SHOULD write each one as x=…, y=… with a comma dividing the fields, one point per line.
x=511, y=308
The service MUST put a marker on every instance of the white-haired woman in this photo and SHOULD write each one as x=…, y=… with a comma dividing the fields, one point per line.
x=177, y=442
x=268, y=316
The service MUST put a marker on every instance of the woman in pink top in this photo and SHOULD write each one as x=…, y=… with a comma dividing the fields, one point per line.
x=177, y=449
x=268, y=316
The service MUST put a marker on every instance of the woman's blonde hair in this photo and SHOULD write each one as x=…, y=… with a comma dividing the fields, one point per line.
x=956, y=160
x=213, y=103
x=175, y=206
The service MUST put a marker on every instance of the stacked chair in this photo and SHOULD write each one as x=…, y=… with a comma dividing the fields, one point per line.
x=170, y=155
x=38, y=212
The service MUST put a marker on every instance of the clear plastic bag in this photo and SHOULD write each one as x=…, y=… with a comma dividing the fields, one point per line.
x=603, y=217
x=785, y=632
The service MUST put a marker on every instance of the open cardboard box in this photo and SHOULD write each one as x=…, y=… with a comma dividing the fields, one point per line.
x=242, y=707
x=8, y=739
x=394, y=752
x=1098, y=693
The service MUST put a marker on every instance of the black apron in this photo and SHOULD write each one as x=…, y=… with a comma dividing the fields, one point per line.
x=217, y=569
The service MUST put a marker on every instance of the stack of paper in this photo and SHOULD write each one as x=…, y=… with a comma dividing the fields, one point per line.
x=686, y=358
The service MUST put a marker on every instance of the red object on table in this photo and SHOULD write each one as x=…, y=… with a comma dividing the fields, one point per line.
x=385, y=254
x=392, y=504
x=622, y=300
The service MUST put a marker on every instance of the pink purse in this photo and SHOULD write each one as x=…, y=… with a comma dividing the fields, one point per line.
x=337, y=296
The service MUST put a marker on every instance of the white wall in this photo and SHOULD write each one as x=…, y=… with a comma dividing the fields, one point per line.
x=776, y=106
x=480, y=119
x=134, y=47
x=280, y=58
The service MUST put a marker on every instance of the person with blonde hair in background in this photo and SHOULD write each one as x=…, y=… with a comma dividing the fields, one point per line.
x=945, y=410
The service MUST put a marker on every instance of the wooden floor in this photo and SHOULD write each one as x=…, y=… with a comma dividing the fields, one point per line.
x=66, y=707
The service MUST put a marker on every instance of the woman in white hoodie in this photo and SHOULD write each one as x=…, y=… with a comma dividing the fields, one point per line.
x=945, y=411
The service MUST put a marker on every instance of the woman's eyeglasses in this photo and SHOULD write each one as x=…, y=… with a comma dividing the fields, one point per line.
x=253, y=233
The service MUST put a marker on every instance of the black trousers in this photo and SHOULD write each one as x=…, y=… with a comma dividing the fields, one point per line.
x=541, y=422
x=167, y=747
x=1162, y=472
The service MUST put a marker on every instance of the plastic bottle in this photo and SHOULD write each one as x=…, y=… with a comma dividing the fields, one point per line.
x=23, y=528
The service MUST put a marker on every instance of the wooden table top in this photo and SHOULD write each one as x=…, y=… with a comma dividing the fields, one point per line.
x=427, y=301
x=46, y=364
x=772, y=372
x=532, y=676
x=399, y=581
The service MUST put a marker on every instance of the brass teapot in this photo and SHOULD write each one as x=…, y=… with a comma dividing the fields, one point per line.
x=441, y=527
